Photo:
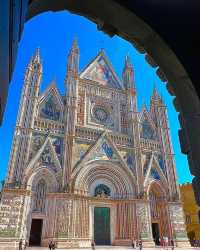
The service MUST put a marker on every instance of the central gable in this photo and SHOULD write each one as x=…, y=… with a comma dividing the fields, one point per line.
x=100, y=70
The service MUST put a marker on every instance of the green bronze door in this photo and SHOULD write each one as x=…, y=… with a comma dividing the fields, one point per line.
x=102, y=225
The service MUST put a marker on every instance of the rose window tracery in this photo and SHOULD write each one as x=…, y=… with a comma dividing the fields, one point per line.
x=100, y=114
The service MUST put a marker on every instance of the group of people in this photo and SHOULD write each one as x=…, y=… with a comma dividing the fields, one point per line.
x=166, y=242
x=195, y=243
x=137, y=244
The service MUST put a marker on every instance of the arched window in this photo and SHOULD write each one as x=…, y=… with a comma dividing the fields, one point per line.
x=40, y=196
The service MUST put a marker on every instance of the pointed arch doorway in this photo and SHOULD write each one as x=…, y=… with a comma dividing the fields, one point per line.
x=102, y=226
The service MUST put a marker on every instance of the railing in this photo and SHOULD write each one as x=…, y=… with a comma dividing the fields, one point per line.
x=45, y=126
x=93, y=134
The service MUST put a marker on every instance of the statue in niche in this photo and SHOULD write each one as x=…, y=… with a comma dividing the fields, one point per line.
x=46, y=156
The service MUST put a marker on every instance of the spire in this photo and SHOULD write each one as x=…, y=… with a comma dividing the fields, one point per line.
x=35, y=63
x=36, y=57
x=127, y=61
x=128, y=74
x=155, y=97
x=73, y=58
x=34, y=69
x=75, y=47
x=144, y=106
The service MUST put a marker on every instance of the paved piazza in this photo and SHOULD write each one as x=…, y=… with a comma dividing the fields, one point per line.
x=116, y=248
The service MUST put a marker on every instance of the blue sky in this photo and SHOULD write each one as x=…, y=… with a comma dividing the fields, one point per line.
x=53, y=33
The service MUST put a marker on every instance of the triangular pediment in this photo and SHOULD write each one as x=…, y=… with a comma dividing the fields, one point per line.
x=46, y=156
x=154, y=172
x=148, y=128
x=104, y=150
x=50, y=104
x=101, y=71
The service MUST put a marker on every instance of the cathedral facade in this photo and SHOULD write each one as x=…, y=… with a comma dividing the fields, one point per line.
x=88, y=165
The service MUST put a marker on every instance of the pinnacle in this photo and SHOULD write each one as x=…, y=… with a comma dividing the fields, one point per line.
x=128, y=61
x=36, y=57
x=155, y=93
x=75, y=44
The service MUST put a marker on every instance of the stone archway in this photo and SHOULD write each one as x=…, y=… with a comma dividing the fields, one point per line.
x=113, y=19
x=120, y=180
x=159, y=212
x=120, y=186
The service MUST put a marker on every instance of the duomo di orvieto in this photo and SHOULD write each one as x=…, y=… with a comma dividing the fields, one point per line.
x=88, y=165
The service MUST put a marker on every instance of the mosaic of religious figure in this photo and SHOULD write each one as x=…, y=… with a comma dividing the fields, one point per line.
x=50, y=110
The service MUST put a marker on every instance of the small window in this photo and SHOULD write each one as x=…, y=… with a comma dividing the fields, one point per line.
x=187, y=219
x=199, y=216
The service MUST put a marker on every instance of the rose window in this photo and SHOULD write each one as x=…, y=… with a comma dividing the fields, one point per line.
x=100, y=114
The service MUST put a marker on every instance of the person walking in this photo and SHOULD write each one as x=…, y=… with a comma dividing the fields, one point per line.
x=172, y=244
x=51, y=245
x=93, y=245
x=25, y=244
x=166, y=242
x=140, y=244
x=20, y=244
x=133, y=243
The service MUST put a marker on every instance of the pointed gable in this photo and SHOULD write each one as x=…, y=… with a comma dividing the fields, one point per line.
x=148, y=129
x=50, y=104
x=46, y=156
x=154, y=172
x=103, y=149
x=101, y=71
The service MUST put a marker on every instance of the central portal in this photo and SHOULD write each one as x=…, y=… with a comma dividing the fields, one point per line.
x=102, y=225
